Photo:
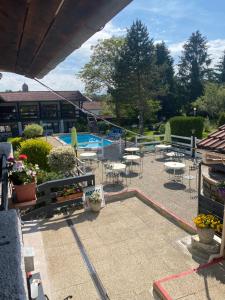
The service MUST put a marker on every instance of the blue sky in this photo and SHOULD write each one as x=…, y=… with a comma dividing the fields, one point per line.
x=170, y=20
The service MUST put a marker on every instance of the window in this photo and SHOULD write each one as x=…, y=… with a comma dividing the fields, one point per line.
x=8, y=113
x=51, y=127
x=29, y=111
x=49, y=111
x=68, y=111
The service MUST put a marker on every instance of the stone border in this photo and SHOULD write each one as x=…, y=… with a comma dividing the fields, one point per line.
x=128, y=193
x=162, y=292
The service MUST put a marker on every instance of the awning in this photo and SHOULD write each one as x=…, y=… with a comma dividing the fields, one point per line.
x=36, y=35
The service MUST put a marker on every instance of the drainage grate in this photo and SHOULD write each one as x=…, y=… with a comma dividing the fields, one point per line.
x=94, y=276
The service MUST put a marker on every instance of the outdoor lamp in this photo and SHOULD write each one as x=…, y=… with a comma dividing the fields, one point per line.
x=195, y=111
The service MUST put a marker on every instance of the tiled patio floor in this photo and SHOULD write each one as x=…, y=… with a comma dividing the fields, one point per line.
x=155, y=183
x=129, y=244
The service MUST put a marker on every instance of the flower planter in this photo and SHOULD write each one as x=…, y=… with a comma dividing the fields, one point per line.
x=95, y=206
x=205, y=235
x=69, y=197
x=25, y=192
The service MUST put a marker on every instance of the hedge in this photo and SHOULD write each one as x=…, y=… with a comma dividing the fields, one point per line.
x=187, y=126
x=37, y=151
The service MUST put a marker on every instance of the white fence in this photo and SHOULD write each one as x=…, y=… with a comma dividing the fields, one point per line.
x=184, y=144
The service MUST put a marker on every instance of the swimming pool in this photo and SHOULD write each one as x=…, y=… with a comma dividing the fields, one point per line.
x=86, y=140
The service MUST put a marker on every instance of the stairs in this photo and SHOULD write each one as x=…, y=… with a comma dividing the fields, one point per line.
x=92, y=124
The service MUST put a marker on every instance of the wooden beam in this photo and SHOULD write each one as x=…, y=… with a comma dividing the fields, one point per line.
x=12, y=16
x=74, y=24
x=40, y=15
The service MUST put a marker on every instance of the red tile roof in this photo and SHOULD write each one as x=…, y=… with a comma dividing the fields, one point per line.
x=215, y=141
x=42, y=96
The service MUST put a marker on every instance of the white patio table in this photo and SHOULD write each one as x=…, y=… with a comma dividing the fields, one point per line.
x=131, y=149
x=175, y=166
x=88, y=155
x=162, y=147
x=131, y=158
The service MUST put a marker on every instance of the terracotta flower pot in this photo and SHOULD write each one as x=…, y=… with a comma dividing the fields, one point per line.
x=205, y=235
x=25, y=192
x=95, y=206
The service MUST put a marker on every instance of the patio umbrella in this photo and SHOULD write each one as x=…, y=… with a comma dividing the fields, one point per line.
x=167, y=136
x=74, y=142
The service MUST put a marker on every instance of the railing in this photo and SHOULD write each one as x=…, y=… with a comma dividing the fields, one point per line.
x=46, y=193
x=184, y=144
x=46, y=190
x=4, y=183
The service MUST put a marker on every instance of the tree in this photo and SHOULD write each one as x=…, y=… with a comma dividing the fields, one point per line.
x=220, y=70
x=135, y=70
x=97, y=74
x=212, y=102
x=193, y=68
x=164, y=62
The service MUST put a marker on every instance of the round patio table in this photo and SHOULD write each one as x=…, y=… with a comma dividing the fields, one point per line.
x=175, y=166
x=118, y=166
x=131, y=149
x=88, y=155
x=174, y=154
x=162, y=147
x=131, y=158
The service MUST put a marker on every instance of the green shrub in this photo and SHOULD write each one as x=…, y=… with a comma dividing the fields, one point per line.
x=221, y=120
x=81, y=125
x=187, y=126
x=62, y=159
x=37, y=151
x=44, y=176
x=103, y=127
x=16, y=141
x=33, y=130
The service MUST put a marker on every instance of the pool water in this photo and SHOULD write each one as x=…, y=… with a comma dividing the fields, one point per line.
x=86, y=140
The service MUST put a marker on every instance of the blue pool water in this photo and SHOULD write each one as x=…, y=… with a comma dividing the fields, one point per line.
x=86, y=140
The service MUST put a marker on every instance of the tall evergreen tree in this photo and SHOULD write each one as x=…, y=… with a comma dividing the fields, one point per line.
x=135, y=70
x=164, y=61
x=220, y=70
x=193, y=68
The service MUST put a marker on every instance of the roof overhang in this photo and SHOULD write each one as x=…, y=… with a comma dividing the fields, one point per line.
x=36, y=35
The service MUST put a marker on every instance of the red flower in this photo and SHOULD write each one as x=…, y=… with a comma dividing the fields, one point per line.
x=23, y=156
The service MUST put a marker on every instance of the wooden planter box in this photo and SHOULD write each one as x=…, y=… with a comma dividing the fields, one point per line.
x=69, y=197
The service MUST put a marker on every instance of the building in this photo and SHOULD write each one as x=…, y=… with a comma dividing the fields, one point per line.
x=17, y=109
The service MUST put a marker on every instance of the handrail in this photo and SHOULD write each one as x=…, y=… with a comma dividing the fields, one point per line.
x=4, y=184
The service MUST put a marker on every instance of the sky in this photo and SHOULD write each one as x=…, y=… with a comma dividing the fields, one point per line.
x=170, y=20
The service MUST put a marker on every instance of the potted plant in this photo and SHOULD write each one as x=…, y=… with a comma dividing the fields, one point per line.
x=206, y=226
x=22, y=177
x=221, y=189
x=70, y=193
x=95, y=201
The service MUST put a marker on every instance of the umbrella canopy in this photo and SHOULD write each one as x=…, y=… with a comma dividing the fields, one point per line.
x=74, y=142
x=167, y=136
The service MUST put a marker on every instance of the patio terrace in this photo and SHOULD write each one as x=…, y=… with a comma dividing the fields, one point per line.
x=129, y=244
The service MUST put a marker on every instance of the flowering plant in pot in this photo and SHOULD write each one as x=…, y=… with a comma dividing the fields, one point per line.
x=95, y=201
x=206, y=226
x=22, y=176
x=70, y=193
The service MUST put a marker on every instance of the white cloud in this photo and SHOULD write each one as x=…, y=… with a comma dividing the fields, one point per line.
x=215, y=49
x=63, y=76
